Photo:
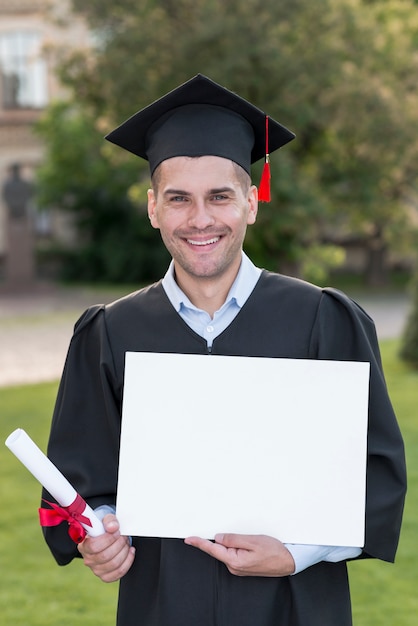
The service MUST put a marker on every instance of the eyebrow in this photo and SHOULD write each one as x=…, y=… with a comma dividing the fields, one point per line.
x=176, y=192
x=182, y=192
x=222, y=190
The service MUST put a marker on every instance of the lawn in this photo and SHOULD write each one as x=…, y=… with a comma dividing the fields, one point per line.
x=34, y=591
x=385, y=594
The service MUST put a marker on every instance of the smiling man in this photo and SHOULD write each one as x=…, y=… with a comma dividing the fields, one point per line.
x=202, y=210
x=200, y=141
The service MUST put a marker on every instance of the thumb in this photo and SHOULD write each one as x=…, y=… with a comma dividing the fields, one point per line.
x=232, y=540
x=110, y=523
x=229, y=540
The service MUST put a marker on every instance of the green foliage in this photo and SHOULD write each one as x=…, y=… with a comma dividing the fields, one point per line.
x=340, y=73
x=409, y=346
x=81, y=176
x=318, y=260
x=35, y=591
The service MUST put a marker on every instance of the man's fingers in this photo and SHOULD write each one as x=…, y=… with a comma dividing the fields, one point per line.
x=231, y=540
x=217, y=550
x=116, y=568
x=109, y=556
x=102, y=552
x=248, y=555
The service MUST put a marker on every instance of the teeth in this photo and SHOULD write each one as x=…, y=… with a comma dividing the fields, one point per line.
x=203, y=243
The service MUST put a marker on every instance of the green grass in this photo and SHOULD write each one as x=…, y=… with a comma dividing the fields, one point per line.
x=385, y=594
x=34, y=591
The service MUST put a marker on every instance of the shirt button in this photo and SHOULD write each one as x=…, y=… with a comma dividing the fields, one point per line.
x=209, y=329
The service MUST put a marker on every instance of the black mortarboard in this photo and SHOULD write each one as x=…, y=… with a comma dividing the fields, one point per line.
x=201, y=118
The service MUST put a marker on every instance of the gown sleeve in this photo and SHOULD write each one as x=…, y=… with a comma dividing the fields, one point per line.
x=85, y=430
x=344, y=331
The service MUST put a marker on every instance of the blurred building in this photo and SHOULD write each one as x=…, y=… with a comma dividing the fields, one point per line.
x=29, y=30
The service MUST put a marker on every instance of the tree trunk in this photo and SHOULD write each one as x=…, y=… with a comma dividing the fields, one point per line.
x=376, y=271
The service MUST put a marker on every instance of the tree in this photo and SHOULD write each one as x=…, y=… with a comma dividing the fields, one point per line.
x=338, y=72
x=115, y=241
x=370, y=169
x=409, y=344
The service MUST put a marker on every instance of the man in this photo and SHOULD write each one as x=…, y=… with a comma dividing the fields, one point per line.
x=200, y=141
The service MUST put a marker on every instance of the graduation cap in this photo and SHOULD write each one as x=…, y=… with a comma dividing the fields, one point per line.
x=201, y=118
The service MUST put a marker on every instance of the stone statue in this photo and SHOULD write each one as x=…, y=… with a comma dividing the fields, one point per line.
x=20, y=257
x=17, y=193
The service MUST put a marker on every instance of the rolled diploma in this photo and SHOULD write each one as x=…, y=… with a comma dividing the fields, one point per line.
x=49, y=476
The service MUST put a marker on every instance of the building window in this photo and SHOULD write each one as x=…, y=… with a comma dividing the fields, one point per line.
x=23, y=71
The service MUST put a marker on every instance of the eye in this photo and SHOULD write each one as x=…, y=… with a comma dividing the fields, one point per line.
x=219, y=197
x=178, y=199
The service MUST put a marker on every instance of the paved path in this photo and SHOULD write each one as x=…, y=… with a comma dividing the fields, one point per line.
x=389, y=312
x=35, y=328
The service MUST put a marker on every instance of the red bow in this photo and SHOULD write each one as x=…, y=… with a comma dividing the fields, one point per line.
x=71, y=514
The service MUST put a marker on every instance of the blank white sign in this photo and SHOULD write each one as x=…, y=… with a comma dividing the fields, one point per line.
x=245, y=445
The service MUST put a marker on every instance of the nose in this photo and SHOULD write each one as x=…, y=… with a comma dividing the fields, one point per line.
x=200, y=216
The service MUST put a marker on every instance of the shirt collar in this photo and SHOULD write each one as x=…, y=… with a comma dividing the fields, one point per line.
x=243, y=285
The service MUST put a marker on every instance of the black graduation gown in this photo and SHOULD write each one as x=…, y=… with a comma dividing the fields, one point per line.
x=171, y=584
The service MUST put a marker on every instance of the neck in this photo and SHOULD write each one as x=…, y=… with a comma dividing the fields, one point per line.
x=207, y=294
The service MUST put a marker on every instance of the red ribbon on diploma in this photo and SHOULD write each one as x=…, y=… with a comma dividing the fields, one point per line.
x=71, y=514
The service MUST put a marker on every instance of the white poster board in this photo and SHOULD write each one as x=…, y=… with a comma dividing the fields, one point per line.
x=245, y=445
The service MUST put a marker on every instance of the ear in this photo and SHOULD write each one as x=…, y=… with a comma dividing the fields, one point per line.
x=152, y=214
x=252, y=204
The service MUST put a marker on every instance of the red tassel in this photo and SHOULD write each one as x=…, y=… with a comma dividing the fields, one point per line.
x=264, y=193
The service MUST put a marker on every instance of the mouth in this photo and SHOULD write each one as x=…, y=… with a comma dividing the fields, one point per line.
x=205, y=242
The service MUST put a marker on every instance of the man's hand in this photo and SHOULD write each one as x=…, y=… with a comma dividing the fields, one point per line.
x=248, y=555
x=109, y=556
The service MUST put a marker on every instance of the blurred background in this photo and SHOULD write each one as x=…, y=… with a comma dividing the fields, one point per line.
x=342, y=74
